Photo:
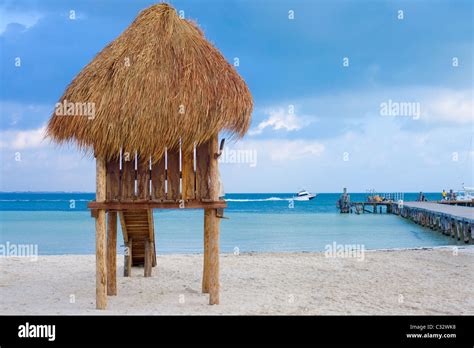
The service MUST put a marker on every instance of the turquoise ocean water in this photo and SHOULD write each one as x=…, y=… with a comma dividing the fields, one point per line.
x=60, y=223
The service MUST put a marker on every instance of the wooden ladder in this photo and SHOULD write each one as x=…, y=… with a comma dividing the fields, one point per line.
x=139, y=237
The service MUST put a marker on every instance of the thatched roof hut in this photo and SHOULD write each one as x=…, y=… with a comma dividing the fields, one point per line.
x=159, y=88
x=158, y=82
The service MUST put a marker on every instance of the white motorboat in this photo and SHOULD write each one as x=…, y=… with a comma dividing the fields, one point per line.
x=304, y=195
x=467, y=194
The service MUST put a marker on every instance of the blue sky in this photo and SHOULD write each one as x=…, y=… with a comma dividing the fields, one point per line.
x=316, y=124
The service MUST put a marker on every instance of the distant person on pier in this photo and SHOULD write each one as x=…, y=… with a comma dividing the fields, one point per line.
x=444, y=194
x=451, y=195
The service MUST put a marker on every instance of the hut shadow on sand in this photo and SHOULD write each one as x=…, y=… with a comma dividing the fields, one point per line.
x=160, y=94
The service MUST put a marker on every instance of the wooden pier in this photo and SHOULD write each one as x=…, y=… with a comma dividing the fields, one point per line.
x=452, y=220
x=370, y=207
x=446, y=217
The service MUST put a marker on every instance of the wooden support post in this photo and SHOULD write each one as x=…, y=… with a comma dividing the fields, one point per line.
x=151, y=234
x=214, y=223
x=467, y=233
x=207, y=234
x=461, y=231
x=148, y=258
x=214, y=258
x=127, y=265
x=153, y=264
x=112, y=253
x=100, y=237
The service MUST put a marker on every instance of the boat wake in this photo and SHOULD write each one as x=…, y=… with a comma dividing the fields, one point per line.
x=258, y=199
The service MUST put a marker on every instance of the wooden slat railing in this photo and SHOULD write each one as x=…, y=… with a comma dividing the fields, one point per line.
x=176, y=176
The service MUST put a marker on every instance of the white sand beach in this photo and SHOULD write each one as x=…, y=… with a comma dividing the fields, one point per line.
x=425, y=281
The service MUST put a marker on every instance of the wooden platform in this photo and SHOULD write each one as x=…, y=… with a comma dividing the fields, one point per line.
x=462, y=203
x=151, y=204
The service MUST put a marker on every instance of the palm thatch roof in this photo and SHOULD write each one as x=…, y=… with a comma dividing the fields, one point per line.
x=160, y=81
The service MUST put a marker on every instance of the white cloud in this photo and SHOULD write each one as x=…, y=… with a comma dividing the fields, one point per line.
x=48, y=168
x=294, y=149
x=450, y=106
x=22, y=115
x=23, y=139
x=27, y=19
x=280, y=119
x=439, y=106
x=282, y=150
x=382, y=154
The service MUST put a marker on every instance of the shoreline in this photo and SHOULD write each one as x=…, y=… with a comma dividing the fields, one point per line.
x=469, y=247
x=435, y=280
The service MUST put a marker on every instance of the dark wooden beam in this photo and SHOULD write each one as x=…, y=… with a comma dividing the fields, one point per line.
x=156, y=205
